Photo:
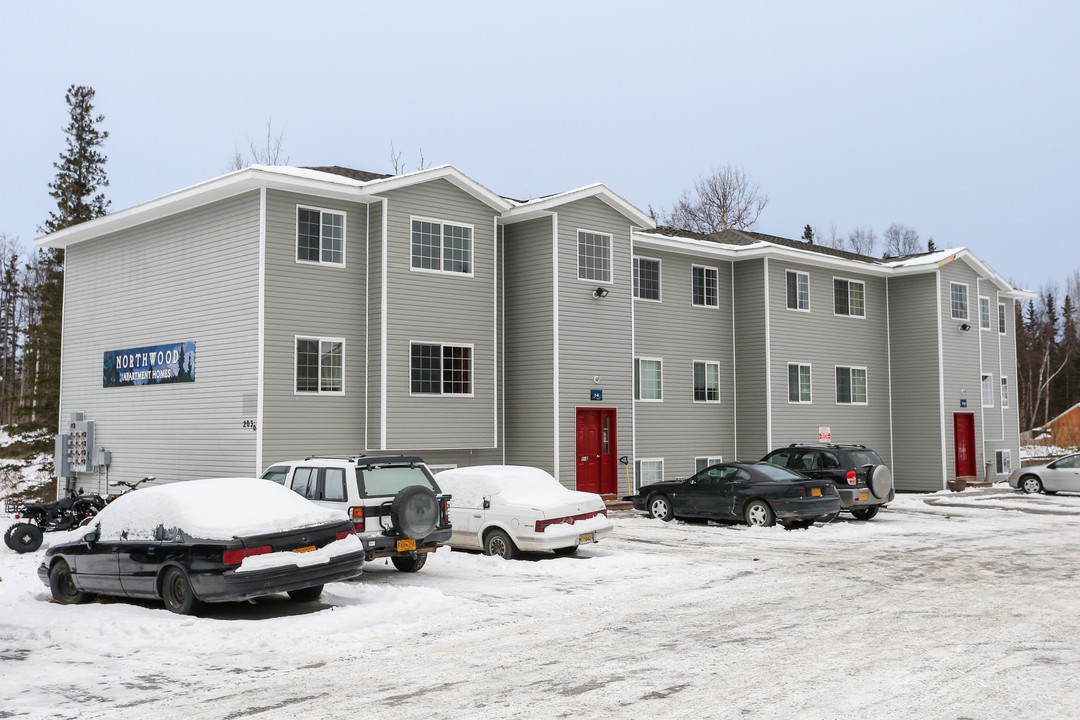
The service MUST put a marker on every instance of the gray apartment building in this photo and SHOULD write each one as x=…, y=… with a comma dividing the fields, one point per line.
x=278, y=312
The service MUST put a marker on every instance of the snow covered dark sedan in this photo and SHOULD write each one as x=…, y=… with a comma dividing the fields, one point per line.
x=204, y=541
x=758, y=494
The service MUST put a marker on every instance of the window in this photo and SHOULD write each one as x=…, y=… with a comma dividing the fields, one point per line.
x=984, y=313
x=798, y=290
x=706, y=286
x=441, y=247
x=440, y=369
x=849, y=298
x=706, y=382
x=1001, y=318
x=650, y=471
x=987, y=390
x=1004, y=462
x=320, y=364
x=594, y=256
x=958, y=294
x=646, y=279
x=648, y=379
x=850, y=386
x=333, y=484
x=798, y=383
x=703, y=462
x=1004, y=391
x=320, y=236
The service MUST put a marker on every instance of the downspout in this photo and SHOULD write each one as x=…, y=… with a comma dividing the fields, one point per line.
x=383, y=330
x=941, y=382
x=633, y=355
x=261, y=361
x=768, y=366
x=495, y=336
x=888, y=359
x=555, y=333
x=734, y=372
x=367, y=323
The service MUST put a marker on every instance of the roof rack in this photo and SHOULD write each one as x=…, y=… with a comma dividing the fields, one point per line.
x=354, y=458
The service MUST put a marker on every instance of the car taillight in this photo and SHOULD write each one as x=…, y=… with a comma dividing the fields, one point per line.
x=542, y=525
x=343, y=535
x=851, y=479
x=235, y=557
x=356, y=514
x=797, y=491
x=446, y=513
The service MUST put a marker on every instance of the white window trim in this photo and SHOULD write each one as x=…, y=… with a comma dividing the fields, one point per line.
x=1003, y=314
x=441, y=394
x=442, y=247
x=989, y=320
x=800, y=402
x=296, y=237
x=706, y=268
x=660, y=279
x=849, y=281
x=967, y=302
x=637, y=468
x=710, y=460
x=1004, y=383
x=982, y=392
x=796, y=273
x=1004, y=452
x=850, y=368
x=320, y=339
x=611, y=256
x=706, y=363
x=637, y=384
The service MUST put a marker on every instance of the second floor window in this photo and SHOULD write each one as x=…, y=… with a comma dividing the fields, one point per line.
x=958, y=298
x=442, y=247
x=987, y=390
x=706, y=286
x=798, y=290
x=648, y=379
x=440, y=369
x=984, y=313
x=849, y=298
x=320, y=365
x=594, y=256
x=706, y=382
x=646, y=278
x=798, y=383
x=1001, y=318
x=850, y=386
x=320, y=236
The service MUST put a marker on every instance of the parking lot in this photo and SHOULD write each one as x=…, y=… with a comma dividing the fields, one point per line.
x=946, y=606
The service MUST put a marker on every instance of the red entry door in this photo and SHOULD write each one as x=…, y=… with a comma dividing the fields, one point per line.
x=597, y=470
x=964, y=444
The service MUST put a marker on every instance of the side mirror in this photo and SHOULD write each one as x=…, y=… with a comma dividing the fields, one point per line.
x=92, y=537
x=487, y=503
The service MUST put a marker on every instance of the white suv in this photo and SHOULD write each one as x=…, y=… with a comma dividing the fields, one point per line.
x=393, y=501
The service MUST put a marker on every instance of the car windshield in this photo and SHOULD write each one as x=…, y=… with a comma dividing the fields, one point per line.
x=278, y=473
x=389, y=480
x=776, y=473
x=865, y=457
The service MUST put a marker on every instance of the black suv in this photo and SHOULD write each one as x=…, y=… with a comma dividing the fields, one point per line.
x=864, y=483
x=394, y=503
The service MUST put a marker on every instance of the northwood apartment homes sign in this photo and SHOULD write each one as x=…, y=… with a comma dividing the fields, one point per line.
x=153, y=365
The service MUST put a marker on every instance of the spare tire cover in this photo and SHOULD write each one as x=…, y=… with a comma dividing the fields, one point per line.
x=879, y=478
x=414, y=512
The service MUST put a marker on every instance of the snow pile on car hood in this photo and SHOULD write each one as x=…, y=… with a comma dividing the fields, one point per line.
x=506, y=485
x=214, y=509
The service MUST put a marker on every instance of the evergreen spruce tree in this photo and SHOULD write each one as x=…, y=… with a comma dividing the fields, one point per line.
x=930, y=247
x=80, y=176
x=808, y=234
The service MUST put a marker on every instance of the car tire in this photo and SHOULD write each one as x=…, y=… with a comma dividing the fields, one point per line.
x=564, y=551
x=829, y=518
x=1031, y=484
x=757, y=513
x=497, y=542
x=865, y=513
x=415, y=512
x=177, y=593
x=880, y=481
x=23, y=537
x=63, y=587
x=660, y=507
x=408, y=564
x=797, y=524
x=308, y=594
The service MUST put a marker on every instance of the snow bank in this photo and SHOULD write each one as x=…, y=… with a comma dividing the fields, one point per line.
x=505, y=485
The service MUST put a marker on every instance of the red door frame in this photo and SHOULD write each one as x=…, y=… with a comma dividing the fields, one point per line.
x=597, y=450
x=964, y=445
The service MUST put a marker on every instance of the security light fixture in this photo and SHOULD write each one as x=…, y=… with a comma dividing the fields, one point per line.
x=600, y=292
x=964, y=327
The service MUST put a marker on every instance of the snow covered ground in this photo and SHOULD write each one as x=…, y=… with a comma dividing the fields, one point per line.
x=952, y=605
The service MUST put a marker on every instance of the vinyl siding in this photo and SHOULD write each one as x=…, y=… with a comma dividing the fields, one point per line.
x=915, y=384
x=312, y=300
x=594, y=334
x=679, y=429
x=825, y=340
x=750, y=359
x=192, y=276
x=530, y=327
x=1010, y=416
x=432, y=307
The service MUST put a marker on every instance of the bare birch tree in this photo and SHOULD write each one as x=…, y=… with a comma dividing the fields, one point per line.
x=862, y=241
x=726, y=198
x=901, y=240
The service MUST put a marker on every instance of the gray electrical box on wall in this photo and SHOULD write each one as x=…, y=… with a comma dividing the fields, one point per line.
x=75, y=450
x=60, y=457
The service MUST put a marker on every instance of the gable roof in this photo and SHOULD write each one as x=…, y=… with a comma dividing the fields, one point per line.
x=539, y=206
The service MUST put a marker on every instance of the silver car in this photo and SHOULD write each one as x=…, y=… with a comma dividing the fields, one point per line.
x=1062, y=474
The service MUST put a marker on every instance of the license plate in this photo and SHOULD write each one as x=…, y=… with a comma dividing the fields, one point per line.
x=309, y=548
x=586, y=538
x=864, y=496
x=403, y=545
x=815, y=492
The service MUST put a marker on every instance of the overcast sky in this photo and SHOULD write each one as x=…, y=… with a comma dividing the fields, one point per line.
x=959, y=119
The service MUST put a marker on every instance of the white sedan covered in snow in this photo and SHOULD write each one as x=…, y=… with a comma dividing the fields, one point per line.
x=506, y=509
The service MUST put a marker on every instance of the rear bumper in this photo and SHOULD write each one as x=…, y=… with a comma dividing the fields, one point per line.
x=231, y=585
x=379, y=546
x=806, y=509
x=849, y=497
x=562, y=536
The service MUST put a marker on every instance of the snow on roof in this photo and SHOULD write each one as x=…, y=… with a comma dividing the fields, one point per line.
x=928, y=259
x=503, y=485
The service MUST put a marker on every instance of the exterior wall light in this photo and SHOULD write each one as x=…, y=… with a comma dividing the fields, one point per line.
x=600, y=293
x=964, y=327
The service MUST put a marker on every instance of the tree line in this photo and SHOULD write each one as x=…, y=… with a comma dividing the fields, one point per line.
x=1048, y=352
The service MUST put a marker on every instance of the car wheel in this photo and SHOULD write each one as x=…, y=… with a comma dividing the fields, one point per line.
x=1031, y=484
x=865, y=513
x=415, y=512
x=308, y=594
x=759, y=514
x=177, y=593
x=63, y=587
x=879, y=479
x=564, y=551
x=404, y=563
x=829, y=518
x=660, y=508
x=23, y=537
x=797, y=524
x=499, y=543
